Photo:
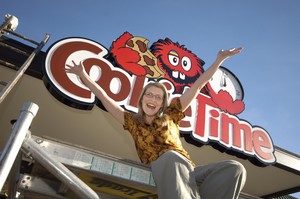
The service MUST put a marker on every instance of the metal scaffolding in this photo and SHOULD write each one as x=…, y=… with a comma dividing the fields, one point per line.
x=20, y=137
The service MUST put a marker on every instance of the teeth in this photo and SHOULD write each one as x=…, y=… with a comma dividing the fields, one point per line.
x=182, y=76
x=175, y=74
x=151, y=106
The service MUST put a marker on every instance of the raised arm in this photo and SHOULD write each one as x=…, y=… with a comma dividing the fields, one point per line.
x=110, y=105
x=188, y=96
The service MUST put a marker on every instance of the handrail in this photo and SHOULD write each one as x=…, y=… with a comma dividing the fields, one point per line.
x=18, y=135
x=21, y=137
x=59, y=170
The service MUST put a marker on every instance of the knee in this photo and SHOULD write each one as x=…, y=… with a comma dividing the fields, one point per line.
x=238, y=169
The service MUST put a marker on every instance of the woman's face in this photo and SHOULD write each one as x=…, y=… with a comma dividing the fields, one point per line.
x=152, y=101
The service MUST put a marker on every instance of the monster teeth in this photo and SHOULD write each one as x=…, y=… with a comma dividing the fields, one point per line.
x=176, y=74
x=182, y=76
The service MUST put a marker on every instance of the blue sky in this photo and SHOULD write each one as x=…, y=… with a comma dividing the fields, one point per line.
x=269, y=31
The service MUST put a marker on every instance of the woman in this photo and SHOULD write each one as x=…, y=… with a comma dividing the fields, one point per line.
x=155, y=131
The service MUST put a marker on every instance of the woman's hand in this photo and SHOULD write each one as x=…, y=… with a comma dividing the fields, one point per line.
x=111, y=106
x=188, y=96
x=76, y=69
x=224, y=54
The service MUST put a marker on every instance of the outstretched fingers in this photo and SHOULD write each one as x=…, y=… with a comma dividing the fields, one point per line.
x=236, y=50
x=228, y=53
x=72, y=68
x=74, y=64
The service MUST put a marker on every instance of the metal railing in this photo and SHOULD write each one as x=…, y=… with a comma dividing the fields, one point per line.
x=21, y=138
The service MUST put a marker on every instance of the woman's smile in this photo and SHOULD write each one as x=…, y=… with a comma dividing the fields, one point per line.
x=152, y=102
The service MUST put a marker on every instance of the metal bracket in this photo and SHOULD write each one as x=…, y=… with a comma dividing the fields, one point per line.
x=40, y=186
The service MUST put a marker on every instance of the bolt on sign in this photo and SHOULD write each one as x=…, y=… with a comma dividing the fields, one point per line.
x=129, y=64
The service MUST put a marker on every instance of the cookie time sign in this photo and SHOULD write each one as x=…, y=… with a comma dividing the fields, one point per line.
x=123, y=71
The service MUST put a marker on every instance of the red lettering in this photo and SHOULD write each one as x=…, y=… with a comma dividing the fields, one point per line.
x=58, y=62
x=203, y=117
x=214, y=123
x=233, y=128
x=242, y=137
x=262, y=145
x=136, y=90
x=122, y=86
x=203, y=104
x=231, y=132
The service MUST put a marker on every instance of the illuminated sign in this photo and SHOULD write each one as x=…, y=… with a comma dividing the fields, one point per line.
x=124, y=69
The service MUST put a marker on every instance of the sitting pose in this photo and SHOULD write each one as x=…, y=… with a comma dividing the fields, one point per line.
x=155, y=130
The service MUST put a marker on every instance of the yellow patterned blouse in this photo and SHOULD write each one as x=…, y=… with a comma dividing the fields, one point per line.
x=152, y=140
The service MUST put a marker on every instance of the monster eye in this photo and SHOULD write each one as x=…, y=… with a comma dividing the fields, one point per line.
x=186, y=63
x=173, y=58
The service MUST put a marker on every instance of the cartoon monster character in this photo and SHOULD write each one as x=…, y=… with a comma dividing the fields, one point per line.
x=180, y=65
x=133, y=55
x=182, y=68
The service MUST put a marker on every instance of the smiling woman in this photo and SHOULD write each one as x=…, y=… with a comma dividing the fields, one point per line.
x=153, y=101
x=269, y=60
x=155, y=131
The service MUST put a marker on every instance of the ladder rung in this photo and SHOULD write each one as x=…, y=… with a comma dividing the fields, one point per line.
x=14, y=49
x=3, y=83
x=22, y=69
x=9, y=65
x=20, y=36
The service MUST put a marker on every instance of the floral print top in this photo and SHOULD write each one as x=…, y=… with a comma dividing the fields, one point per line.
x=162, y=135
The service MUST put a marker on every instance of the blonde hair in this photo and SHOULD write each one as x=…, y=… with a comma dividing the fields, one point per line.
x=140, y=114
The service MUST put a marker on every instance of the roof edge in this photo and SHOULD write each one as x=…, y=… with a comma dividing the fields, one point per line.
x=287, y=160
